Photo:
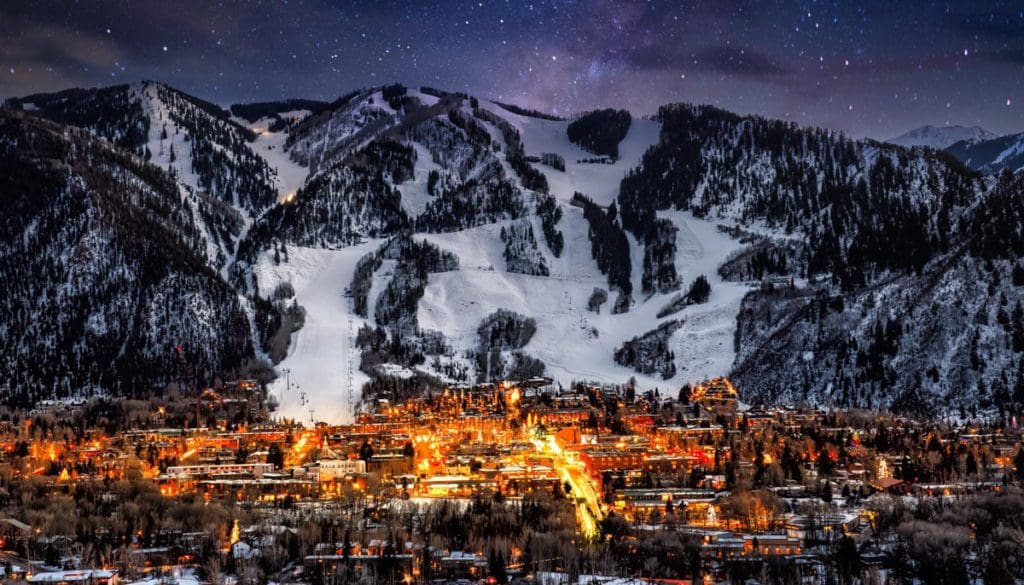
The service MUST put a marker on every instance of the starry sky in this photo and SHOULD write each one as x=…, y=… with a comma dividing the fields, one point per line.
x=873, y=68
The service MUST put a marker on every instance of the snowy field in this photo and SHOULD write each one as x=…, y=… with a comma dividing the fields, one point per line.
x=704, y=344
x=324, y=380
x=574, y=343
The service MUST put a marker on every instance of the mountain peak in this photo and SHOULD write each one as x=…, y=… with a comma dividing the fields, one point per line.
x=940, y=137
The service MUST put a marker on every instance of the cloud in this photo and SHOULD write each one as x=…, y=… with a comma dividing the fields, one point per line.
x=740, y=62
x=42, y=45
x=718, y=59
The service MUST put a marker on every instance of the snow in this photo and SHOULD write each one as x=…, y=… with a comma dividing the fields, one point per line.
x=177, y=139
x=941, y=136
x=177, y=576
x=294, y=114
x=415, y=197
x=270, y=146
x=344, y=129
x=425, y=99
x=600, y=182
x=546, y=578
x=574, y=343
x=704, y=344
x=323, y=361
x=456, y=302
x=1011, y=151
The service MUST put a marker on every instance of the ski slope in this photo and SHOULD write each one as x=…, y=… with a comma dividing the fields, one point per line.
x=704, y=345
x=574, y=343
x=600, y=182
x=270, y=146
x=320, y=378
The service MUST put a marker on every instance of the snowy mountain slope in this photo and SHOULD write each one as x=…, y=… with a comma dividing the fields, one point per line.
x=115, y=113
x=425, y=223
x=211, y=152
x=992, y=155
x=599, y=181
x=378, y=186
x=105, y=285
x=219, y=160
x=226, y=183
x=574, y=343
x=940, y=137
x=840, y=207
x=855, y=202
x=347, y=124
x=323, y=363
x=271, y=146
x=930, y=344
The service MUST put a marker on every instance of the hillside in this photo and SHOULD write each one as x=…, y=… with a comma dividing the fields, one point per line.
x=377, y=237
x=105, y=283
x=992, y=155
x=940, y=137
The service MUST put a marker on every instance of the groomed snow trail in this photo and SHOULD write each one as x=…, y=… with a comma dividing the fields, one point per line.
x=324, y=382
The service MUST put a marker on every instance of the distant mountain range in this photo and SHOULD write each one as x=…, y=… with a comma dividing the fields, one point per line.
x=993, y=155
x=941, y=137
x=396, y=238
x=974, y=146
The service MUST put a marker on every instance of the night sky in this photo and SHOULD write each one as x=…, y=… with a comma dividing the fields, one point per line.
x=868, y=68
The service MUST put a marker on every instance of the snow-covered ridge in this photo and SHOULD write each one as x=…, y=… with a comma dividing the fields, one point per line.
x=940, y=137
x=992, y=155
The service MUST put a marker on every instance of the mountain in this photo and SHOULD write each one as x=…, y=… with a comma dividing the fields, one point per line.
x=105, y=284
x=946, y=338
x=992, y=155
x=940, y=137
x=211, y=155
x=395, y=239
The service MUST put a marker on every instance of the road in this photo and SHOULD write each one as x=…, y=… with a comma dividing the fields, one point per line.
x=589, y=508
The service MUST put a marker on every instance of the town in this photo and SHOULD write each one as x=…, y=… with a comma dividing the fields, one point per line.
x=524, y=482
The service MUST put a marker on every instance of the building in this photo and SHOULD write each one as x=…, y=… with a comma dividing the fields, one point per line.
x=717, y=396
x=256, y=470
x=598, y=460
x=390, y=464
x=338, y=469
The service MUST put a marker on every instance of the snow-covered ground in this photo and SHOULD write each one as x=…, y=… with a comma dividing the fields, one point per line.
x=414, y=192
x=704, y=344
x=270, y=145
x=600, y=182
x=574, y=343
x=941, y=136
x=176, y=146
x=324, y=382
